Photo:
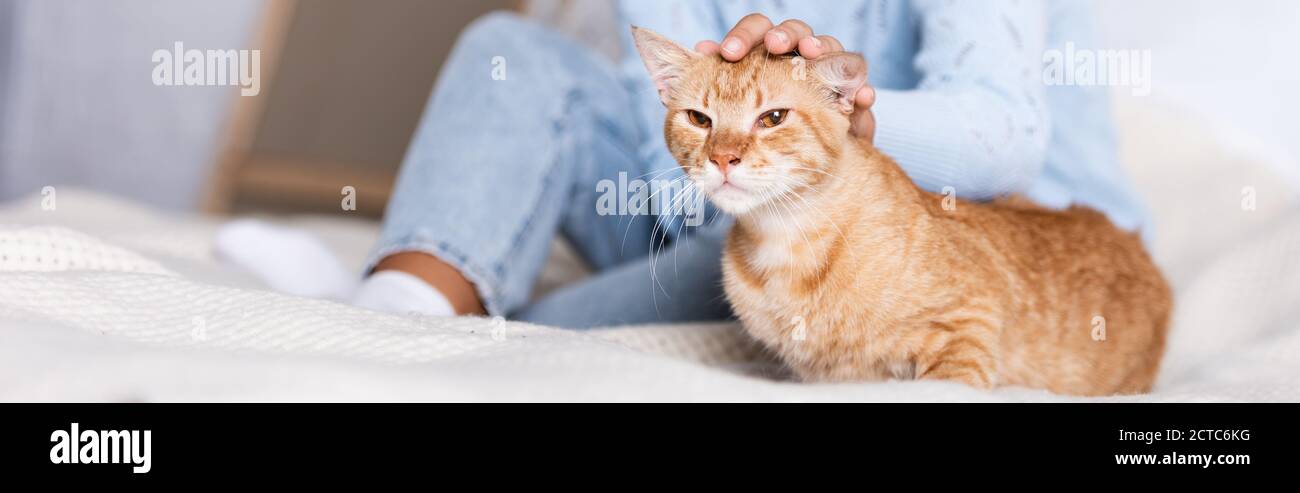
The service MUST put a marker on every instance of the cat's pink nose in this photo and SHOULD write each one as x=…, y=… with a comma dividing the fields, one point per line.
x=724, y=160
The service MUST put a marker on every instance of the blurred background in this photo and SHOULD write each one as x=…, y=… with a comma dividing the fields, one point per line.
x=344, y=82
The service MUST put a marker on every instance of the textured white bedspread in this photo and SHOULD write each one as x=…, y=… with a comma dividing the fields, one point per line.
x=102, y=300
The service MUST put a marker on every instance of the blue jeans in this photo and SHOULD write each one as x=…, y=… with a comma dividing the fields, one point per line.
x=497, y=168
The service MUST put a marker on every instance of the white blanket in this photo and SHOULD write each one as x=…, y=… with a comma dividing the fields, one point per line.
x=102, y=300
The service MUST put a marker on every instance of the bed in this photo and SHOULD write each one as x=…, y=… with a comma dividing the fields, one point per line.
x=102, y=299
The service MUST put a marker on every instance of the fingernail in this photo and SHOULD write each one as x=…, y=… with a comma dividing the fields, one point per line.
x=731, y=45
x=781, y=36
x=817, y=42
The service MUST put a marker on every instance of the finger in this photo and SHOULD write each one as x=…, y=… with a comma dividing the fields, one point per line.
x=816, y=46
x=742, y=38
x=865, y=98
x=863, y=124
x=863, y=121
x=785, y=37
x=708, y=47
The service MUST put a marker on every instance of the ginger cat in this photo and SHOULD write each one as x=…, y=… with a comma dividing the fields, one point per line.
x=849, y=272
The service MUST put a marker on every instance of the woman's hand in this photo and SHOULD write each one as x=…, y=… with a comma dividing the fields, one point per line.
x=781, y=39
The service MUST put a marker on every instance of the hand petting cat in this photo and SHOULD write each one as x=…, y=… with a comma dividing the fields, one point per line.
x=846, y=269
x=786, y=37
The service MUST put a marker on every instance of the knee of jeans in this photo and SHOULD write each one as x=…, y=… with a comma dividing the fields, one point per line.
x=494, y=28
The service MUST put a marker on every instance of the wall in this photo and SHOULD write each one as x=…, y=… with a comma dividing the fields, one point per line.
x=356, y=76
x=1232, y=63
x=77, y=106
x=80, y=107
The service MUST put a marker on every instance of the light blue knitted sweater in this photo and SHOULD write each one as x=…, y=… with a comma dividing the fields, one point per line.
x=961, y=98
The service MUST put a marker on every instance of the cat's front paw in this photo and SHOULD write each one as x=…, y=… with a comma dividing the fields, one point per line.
x=969, y=372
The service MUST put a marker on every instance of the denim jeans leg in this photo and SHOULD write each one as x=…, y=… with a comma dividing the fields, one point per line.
x=682, y=283
x=504, y=140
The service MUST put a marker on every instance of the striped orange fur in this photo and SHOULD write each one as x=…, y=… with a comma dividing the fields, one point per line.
x=844, y=268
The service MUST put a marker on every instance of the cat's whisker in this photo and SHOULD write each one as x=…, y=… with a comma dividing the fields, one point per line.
x=771, y=206
x=795, y=193
x=716, y=213
x=671, y=183
x=815, y=170
x=690, y=187
x=791, y=191
x=915, y=292
x=822, y=171
x=788, y=204
x=782, y=195
x=656, y=252
x=789, y=241
x=657, y=173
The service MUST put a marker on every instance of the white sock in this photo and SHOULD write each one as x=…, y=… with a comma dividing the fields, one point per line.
x=401, y=293
x=287, y=260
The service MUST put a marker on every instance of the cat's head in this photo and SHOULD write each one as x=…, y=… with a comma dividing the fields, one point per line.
x=748, y=132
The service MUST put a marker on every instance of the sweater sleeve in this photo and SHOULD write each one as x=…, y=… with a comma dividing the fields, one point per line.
x=977, y=121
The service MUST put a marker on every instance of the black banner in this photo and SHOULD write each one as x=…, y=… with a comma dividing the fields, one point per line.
x=149, y=442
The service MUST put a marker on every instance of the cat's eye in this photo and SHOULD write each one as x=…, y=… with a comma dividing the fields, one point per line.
x=773, y=118
x=698, y=119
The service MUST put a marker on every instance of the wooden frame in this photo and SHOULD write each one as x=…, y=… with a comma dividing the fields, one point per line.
x=241, y=130
x=296, y=146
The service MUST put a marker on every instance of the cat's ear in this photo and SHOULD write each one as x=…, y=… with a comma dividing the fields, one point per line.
x=842, y=74
x=665, y=60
